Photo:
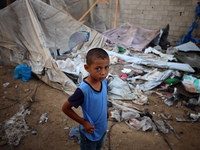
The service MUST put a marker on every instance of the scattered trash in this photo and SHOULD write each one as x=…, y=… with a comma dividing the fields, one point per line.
x=116, y=114
x=194, y=116
x=6, y=84
x=121, y=49
x=34, y=132
x=176, y=134
x=170, y=101
x=123, y=76
x=141, y=96
x=113, y=59
x=119, y=89
x=191, y=84
x=16, y=127
x=74, y=133
x=166, y=56
x=43, y=118
x=145, y=124
x=172, y=80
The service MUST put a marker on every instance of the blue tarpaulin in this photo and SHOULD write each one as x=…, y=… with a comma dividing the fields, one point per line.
x=189, y=37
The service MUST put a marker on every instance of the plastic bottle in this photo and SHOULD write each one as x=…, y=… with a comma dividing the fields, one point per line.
x=172, y=80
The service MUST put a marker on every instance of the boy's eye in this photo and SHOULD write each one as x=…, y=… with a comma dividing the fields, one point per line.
x=98, y=68
x=107, y=67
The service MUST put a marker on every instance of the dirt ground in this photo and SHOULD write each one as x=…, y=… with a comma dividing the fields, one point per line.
x=40, y=98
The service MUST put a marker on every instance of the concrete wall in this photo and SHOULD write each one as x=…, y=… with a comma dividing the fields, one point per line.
x=152, y=14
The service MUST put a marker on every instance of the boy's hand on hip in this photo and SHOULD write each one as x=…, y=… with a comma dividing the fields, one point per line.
x=88, y=127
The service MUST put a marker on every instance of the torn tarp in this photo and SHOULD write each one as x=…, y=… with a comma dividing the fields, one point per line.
x=127, y=36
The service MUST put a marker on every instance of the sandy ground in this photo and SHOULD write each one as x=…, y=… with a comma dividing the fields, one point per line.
x=40, y=98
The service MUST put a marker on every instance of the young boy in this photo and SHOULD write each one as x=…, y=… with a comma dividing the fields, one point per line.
x=91, y=95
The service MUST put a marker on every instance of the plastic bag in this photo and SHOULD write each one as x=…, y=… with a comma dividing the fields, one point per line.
x=23, y=72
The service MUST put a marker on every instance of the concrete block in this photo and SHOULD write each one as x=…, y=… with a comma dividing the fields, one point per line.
x=159, y=8
x=167, y=18
x=175, y=2
x=164, y=2
x=158, y=18
x=140, y=16
x=183, y=29
x=173, y=13
x=190, y=8
x=181, y=24
x=155, y=2
x=169, y=8
x=145, y=2
x=148, y=17
x=152, y=22
x=174, y=28
x=136, y=12
x=141, y=7
x=186, y=2
x=132, y=7
x=149, y=8
x=179, y=8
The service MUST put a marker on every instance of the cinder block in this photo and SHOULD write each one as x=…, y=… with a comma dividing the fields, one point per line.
x=141, y=7
x=145, y=2
x=175, y=2
x=164, y=2
x=183, y=29
x=186, y=2
x=149, y=16
x=136, y=12
x=155, y=2
x=159, y=8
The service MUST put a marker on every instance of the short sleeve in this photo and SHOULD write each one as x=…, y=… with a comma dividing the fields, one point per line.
x=77, y=98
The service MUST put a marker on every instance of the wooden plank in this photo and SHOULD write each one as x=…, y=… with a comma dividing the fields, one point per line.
x=88, y=10
x=116, y=11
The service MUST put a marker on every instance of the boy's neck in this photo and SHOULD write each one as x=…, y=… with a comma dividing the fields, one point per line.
x=94, y=83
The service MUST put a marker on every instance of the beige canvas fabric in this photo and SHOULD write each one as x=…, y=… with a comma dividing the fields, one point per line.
x=29, y=28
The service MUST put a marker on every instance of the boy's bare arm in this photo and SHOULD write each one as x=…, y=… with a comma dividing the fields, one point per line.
x=67, y=109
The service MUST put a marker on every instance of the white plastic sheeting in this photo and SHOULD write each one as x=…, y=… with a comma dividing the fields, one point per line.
x=119, y=89
x=29, y=28
x=158, y=64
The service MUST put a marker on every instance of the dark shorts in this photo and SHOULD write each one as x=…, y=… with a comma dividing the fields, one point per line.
x=86, y=144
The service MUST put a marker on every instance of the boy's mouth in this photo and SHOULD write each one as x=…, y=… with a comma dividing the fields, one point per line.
x=102, y=78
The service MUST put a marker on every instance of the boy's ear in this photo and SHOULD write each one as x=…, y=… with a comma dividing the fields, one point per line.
x=86, y=67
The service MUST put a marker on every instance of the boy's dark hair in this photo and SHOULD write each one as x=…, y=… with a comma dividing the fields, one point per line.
x=95, y=53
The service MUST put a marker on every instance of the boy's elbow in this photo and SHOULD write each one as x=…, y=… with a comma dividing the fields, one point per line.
x=66, y=107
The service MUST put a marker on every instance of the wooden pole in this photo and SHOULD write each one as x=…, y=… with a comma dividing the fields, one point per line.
x=106, y=2
x=88, y=10
x=67, y=11
x=117, y=3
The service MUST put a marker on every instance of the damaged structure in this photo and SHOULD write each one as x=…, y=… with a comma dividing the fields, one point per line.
x=48, y=39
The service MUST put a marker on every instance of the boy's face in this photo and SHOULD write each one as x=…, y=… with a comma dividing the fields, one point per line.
x=98, y=69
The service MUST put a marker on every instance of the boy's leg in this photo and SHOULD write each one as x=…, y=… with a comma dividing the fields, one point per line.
x=86, y=144
x=101, y=142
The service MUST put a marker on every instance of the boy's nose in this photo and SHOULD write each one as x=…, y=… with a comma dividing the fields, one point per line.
x=103, y=71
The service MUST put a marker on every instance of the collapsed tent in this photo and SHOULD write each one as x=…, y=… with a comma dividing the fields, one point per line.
x=29, y=29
